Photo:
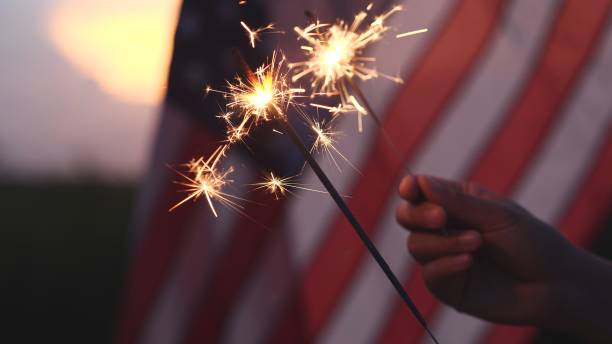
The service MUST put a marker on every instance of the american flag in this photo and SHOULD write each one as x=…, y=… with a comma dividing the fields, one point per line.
x=513, y=94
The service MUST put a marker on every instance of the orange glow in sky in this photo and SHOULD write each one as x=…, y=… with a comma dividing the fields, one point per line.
x=125, y=46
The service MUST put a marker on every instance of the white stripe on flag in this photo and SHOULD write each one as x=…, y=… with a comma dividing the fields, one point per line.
x=550, y=184
x=453, y=145
x=309, y=214
x=267, y=292
x=205, y=238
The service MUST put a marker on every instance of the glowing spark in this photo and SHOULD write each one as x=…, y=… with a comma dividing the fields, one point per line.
x=410, y=33
x=325, y=140
x=335, y=53
x=334, y=110
x=205, y=180
x=360, y=112
x=264, y=95
x=279, y=186
x=254, y=34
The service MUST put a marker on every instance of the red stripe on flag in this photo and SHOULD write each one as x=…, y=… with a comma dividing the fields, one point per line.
x=154, y=256
x=401, y=327
x=593, y=202
x=569, y=45
x=437, y=78
x=581, y=225
x=235, y=265
x=501, y=334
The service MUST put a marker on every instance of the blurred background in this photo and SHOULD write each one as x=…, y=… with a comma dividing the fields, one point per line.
x=80, y=86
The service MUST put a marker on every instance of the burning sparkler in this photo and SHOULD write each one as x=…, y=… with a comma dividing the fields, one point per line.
x=262, y=96
x=335, y=55
x=204, y=179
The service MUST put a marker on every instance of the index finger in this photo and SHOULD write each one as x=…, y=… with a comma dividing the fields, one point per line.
x=409, y=189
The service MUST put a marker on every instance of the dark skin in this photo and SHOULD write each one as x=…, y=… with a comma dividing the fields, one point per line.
x=487, y=256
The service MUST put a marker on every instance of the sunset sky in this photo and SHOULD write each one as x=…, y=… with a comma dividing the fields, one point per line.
x=80, y=85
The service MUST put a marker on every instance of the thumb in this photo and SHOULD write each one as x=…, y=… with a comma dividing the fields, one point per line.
x=467, y=203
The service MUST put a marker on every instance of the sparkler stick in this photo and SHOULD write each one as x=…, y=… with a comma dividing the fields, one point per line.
x=329, y=187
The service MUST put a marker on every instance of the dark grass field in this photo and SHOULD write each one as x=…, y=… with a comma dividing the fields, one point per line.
x=63, y=260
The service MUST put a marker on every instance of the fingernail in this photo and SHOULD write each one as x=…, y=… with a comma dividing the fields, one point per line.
x=404, y=183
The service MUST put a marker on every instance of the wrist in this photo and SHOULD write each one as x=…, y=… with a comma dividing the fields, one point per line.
x=581, y=298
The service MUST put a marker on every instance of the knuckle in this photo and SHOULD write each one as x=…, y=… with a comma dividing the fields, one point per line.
x=511, y=213
x=455, y=244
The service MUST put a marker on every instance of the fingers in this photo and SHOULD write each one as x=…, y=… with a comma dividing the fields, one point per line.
x=446, y=278
x=443, y=268
x=466, y=203
x=423, y=216
x=427, y=247
x=409, y=189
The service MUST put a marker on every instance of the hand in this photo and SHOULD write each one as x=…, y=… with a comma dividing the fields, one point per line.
x=486, y=256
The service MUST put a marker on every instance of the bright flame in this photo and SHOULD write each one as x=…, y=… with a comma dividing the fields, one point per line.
x=126, y=48
x=335, y=55
x=264, y=95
